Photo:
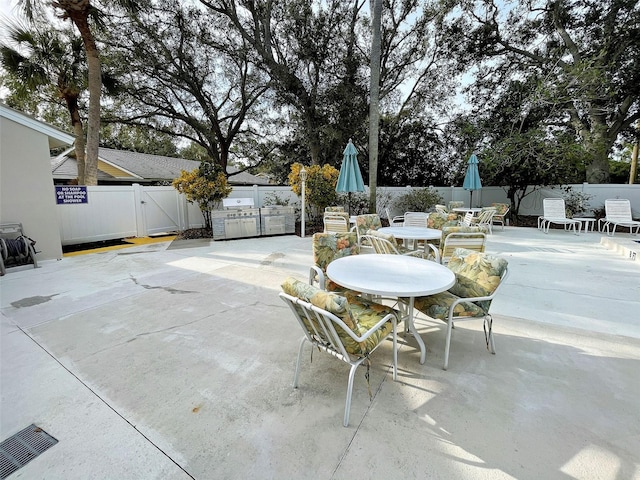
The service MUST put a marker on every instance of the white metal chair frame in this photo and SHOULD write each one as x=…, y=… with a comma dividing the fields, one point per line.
x=395, y=221
x=554, y=212
x=335, y=223
x=488, y=321
x=324, y=336
x=467, y=221
x=500, y=218
x=415, y=219
x=475, y=241
x=618, y=213
x=382, y=245
x=485, y=218
x=441, y=209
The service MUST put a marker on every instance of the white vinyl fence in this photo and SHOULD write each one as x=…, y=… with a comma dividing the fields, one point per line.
x=114, y=212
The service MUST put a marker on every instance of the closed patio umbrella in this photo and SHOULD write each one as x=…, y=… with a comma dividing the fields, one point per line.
x=472, y=177
x=350, y=178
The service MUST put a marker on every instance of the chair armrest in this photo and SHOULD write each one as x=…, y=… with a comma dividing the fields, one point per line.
x=316, y=273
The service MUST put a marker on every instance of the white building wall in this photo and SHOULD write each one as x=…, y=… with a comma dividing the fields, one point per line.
x=27, y=194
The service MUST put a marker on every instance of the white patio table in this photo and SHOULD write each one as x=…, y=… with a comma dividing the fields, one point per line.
x=415, y=233
x=396, y=276
x=474, y=210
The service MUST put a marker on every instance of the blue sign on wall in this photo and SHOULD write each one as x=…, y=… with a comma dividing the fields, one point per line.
x=68, y=194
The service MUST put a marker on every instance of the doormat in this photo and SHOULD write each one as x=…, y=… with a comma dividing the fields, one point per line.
x=19, y=449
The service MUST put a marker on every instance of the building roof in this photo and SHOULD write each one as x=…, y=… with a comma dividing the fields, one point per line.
x=134, y=167
x=57, y=138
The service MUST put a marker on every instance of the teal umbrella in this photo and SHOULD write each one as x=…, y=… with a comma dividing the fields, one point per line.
x=472, y=177
x=350, y=178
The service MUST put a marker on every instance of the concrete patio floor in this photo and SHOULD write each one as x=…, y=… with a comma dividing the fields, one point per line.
x=175, y=361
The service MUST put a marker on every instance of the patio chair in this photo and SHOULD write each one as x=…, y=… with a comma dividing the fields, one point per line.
x=395, y=221
x=347, y=329
x=438, y=220
x=326, y=248
x=385, y=243
x=501, y=213
x=478, y=277
x=454, y=204
x=364, y=223
x=467, y=220
x=333, y=209
x=618, y=213
x=485, y=218
x=335, y=222
x=471, y=238
x=555, y=212
x=441, y=208
x=415, y=219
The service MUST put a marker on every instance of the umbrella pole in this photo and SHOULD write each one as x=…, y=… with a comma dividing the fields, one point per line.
x=349, y=203
x=471, y=199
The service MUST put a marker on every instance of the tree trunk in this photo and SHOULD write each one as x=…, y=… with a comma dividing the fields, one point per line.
x=80, y=20
x=374, y=106
x=76, y=122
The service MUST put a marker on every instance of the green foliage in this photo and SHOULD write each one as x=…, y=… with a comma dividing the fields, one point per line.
x=620, y=172
x=272, y=198
x=320, y=187
x=206, y=186
x=575, y=203
x=533, y=158
x=417, y=200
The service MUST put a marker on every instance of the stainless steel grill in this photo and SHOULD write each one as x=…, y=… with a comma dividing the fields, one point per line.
x=277, y=220
x=238, y=219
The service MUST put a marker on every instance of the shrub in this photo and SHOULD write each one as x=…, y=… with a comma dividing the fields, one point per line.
x=206, y=186
x=320, y=187
x=417, y=200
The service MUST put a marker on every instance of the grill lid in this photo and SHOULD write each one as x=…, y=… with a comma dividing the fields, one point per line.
x=237, y=202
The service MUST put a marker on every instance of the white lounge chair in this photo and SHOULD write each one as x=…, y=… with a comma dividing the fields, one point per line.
x=618, y=212
x=554, y=212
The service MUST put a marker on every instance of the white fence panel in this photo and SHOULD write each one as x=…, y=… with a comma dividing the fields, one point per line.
x=162, y=210
x=118, y=212
x=110, y=213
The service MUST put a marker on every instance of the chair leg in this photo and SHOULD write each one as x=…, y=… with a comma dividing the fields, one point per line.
x=295, y=375
x=447, y=345
x=347, y=406
x=488, y=334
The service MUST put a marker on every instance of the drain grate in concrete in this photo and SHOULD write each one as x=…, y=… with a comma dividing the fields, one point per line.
x=19, y=449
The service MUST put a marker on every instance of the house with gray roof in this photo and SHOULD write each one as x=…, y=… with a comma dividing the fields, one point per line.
x=120, y=167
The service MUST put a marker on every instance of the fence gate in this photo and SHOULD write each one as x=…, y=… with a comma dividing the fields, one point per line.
x=161, y=210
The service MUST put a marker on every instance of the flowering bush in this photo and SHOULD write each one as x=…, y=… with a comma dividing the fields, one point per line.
x=320, y=188
x=206, y=186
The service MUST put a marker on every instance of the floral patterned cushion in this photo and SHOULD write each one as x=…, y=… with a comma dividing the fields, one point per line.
x=437, y=306
x=334, y=209
x=501, y=208
x=447, y=230
x=438, y=220
x=367, y=222
x=357, y=313
x=477, y=275
x=455, y=204
x=329, y=246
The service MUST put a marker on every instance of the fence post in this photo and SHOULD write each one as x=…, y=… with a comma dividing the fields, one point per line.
x=138, y=200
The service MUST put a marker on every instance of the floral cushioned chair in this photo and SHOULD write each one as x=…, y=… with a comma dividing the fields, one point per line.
x=455, y=204
x=478, y=276
x=472, y=238
x=333, y=209
x=501, y=212
x=348, y=329
x=387, y=243
x=326, y=248
x=367, y=222
x=438, y=220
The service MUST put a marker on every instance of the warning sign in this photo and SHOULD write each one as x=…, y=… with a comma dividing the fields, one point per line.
x=68, y=194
